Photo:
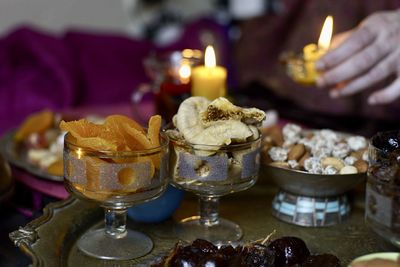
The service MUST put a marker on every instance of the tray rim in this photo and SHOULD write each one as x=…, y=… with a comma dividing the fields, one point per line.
x=26, y=236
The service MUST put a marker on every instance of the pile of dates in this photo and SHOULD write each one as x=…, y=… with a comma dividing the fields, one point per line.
x=283, y=252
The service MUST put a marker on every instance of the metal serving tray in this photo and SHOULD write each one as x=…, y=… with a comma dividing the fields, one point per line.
x=51, y=239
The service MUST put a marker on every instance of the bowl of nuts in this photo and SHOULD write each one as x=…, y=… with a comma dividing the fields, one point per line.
x=313, y=169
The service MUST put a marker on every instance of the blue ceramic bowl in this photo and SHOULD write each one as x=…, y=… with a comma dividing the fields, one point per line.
x=158, y=209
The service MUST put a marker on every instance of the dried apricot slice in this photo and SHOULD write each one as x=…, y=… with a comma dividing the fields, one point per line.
x=141, y=159
x=136, y=140
x=114, y=124
x=90, y=135
x=93, y=165
x=126, y=176
x=116, y=120
x=35, y=123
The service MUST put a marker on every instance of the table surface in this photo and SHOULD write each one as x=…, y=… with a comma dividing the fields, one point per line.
x=251, y=209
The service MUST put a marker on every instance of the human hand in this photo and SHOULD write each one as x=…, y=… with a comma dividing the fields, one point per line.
x=376, y=263
x=370, y=54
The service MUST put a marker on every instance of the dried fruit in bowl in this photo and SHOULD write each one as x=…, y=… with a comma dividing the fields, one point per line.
x=118, y=133
x=90, y=135
x=35, y=123
x=99, y=165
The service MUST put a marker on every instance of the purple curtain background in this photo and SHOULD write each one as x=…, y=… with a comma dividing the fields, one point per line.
x=79, y=68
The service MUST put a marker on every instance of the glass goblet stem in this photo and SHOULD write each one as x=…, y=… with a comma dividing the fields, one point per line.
x=115, y=222
x=209, y=208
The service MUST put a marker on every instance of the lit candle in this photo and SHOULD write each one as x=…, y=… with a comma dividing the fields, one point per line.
x=313, y=52
x=209, y=80
x=184, y=72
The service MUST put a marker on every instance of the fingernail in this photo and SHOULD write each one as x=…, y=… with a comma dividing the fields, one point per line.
x=334, y=94
x=319, y=65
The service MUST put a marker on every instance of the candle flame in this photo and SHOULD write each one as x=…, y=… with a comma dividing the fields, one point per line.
x=185, y=72
x=326, y=34
x=209, y=60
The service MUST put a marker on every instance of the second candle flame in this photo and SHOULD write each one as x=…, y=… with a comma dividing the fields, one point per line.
x=324, y=40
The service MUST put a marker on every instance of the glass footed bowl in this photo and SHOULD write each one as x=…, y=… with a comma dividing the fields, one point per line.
x=116, y=180
x=211, y=172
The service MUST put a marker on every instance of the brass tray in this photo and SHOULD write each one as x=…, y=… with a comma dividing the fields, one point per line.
x=51, y=239
x=16, y=156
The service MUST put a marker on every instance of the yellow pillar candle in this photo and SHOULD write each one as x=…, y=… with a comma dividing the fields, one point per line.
x=209, y=80
x=313, y=52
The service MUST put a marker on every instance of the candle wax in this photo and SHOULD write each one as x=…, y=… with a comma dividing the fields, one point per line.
x=311, y=53
x=209, y=82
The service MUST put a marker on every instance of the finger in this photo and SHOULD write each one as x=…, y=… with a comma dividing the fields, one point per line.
x=358, y=40
x=355, y=65
x=386, y=95
x=377, y=73
x=339, y=38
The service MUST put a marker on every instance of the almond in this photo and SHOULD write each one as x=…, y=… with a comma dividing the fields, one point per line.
x=296, y=152
x=361, y=165
x=348, y=170
x=358, y=154
x=303, y=158
x=332, y=161
x=275, y=134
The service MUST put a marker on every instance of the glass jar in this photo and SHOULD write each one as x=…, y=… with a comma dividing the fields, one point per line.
x=170, y=74
x=382, y=209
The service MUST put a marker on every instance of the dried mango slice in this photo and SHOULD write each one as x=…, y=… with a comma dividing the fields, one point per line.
x=114, y=124
x=153, y=134
x=116, y=120
x=35, y=123
x=90, y=135
x=126, y=176
x=153, y=130
x=137, y=160
x=96, y=143
x=136, y=140
x=83, y=128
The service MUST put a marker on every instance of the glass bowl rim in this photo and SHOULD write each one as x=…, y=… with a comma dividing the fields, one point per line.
x=123, y=153
x=206, y=147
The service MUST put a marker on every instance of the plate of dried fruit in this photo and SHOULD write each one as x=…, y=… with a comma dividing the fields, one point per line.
x=36, y=146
